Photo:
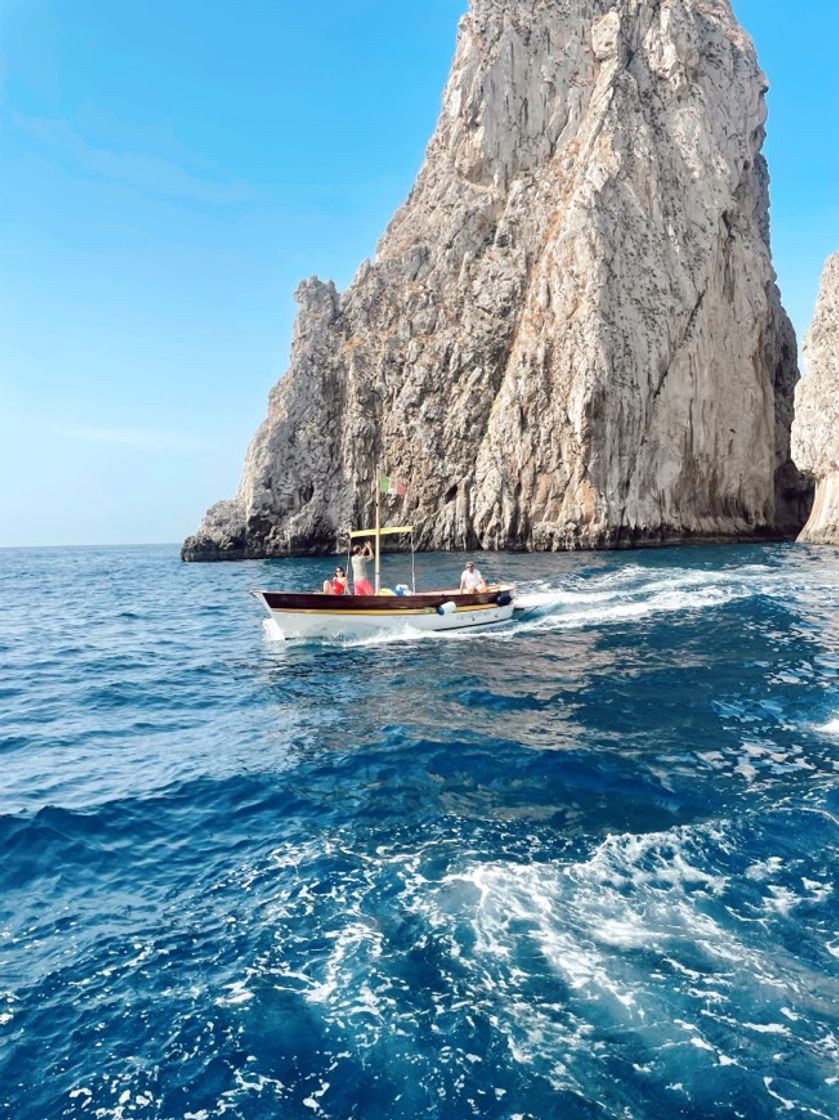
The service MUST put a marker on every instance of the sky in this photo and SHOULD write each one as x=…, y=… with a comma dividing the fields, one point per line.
x=171, y=169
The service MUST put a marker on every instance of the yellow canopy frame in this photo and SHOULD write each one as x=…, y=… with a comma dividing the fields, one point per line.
x=383, y=531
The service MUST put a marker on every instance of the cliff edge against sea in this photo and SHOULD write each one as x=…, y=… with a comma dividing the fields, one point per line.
x=815, y=432
x=571, y=335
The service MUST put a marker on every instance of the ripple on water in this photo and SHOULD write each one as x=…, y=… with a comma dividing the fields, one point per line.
x=581, y=865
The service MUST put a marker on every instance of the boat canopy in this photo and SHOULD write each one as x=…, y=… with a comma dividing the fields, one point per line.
x=383, y=531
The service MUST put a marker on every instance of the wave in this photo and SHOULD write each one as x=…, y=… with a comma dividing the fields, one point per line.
x=671, y=945
x=656, y=933
x=583, y=614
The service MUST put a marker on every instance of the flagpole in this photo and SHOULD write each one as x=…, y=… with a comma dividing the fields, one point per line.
x=377, y=577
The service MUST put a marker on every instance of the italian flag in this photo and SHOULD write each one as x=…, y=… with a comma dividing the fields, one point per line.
x=388, y=485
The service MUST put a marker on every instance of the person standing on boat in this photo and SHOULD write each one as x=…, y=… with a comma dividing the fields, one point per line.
x=360, y=583
x=471, y=579
x=337, y=585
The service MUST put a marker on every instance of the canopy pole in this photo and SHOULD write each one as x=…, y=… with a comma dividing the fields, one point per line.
x=378, y=576
x=413, y=567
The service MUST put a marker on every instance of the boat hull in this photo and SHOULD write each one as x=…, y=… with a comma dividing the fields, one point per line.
x=348, y=616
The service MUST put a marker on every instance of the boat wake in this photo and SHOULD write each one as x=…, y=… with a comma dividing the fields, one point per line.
x=634, y=597
x=633, y=593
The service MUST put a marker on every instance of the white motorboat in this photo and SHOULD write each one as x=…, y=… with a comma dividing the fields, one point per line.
x=324, y=615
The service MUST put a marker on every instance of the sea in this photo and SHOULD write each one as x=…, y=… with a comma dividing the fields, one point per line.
x=582, y=865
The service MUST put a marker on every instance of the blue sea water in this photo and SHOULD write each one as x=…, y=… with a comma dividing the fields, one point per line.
x=582, y=865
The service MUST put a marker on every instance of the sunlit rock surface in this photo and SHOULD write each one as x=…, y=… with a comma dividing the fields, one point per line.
x=816, y=429
x=570, y=336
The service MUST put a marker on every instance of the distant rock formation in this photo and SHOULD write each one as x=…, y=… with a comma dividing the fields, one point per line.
x=570, y=336
x=815, y=432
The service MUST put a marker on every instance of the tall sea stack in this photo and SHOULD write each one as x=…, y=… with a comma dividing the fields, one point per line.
x=815, y=433
x=570, y=335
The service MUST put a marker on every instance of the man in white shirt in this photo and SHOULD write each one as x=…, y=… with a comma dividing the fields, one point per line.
x=472, y=580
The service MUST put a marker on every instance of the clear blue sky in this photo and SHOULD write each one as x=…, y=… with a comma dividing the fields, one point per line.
x=172, y=168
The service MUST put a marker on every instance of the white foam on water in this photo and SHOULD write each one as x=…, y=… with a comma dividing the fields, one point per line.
x=346, y=982
x=543, y=598
x=553, y=597
x=830, y=728
x=622, y=610
x=538, y=1038
x=628, y=929
x=144, y=953
x=583, y=917
x=781, y=899
x=767, y=1028
x=590, y=920
x=237, y=994
x=353, y=942
x=816, y=890
x=313, y=1101
x=786, y=1104
x=271, y=631
x=725, y=1060
x=651, y=858
x=389, y=637
x=746, y=770
x=765, y=868
x=128, y=1099
x=699, y=1043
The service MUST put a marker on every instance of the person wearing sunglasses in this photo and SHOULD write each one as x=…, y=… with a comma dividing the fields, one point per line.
x=337, y=585
x=471, y=580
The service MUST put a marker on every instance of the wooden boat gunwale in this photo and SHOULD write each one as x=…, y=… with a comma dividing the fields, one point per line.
x=417, y=603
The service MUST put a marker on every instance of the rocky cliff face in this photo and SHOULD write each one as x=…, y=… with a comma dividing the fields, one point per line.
x=815, y=433
x=570, y=336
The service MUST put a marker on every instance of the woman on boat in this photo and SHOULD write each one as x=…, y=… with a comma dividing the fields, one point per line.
x=360, y=583
x=337, y=585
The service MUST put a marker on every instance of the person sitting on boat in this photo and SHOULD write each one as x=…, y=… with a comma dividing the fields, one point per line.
x=360, y=583
x=337, y=585
x=471, y=580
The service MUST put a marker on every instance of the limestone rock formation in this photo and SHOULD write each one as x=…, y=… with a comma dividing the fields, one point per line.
x=815, y=432
x=570, y=335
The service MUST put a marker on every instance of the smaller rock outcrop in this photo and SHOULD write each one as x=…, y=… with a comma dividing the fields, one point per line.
x=815, y=432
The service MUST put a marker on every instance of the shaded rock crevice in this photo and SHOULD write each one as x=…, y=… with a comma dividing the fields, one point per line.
x=570, y=335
